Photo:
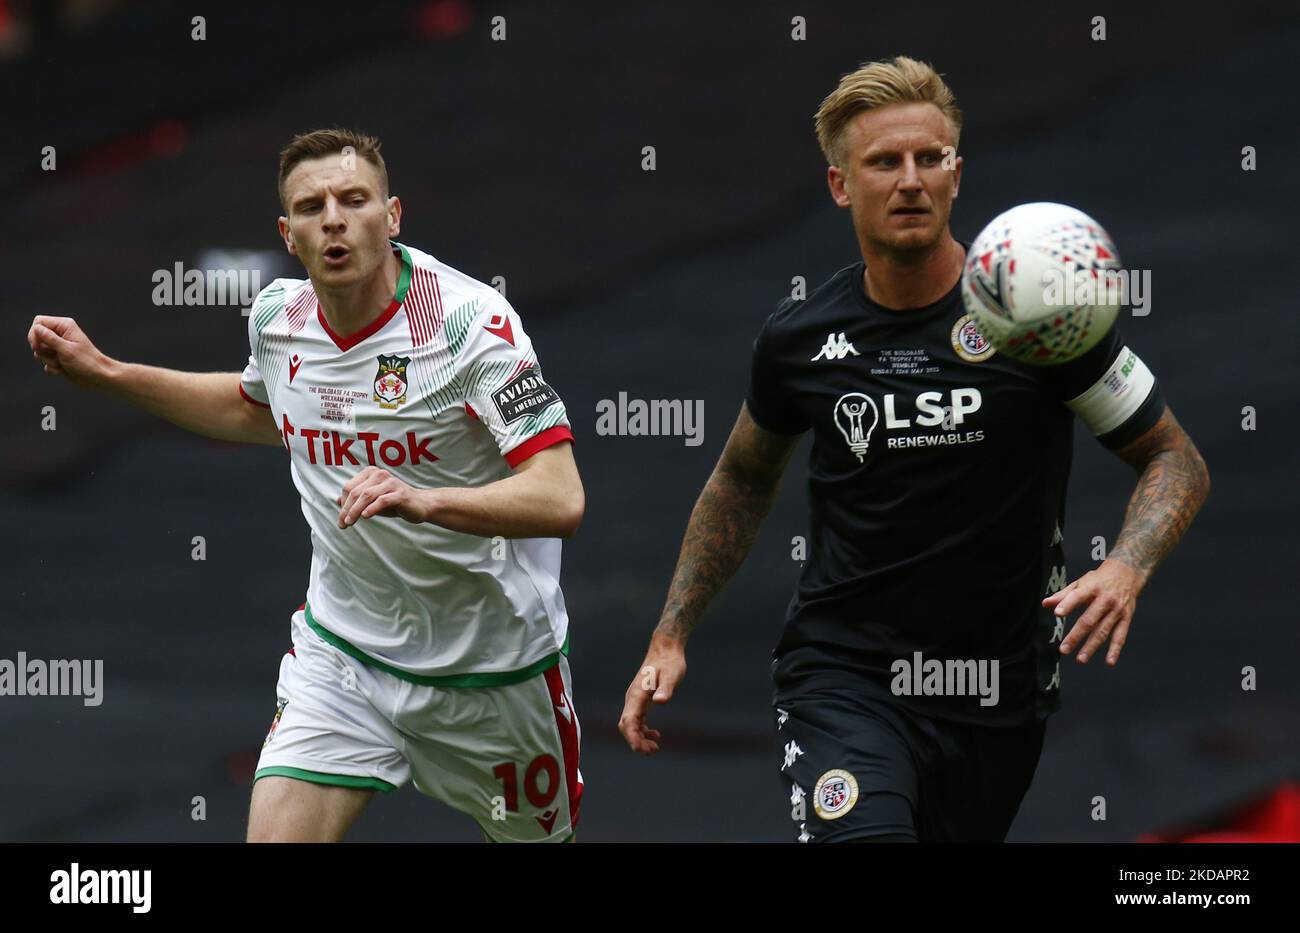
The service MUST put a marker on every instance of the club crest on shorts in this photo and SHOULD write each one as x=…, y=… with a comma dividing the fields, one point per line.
x=835, y=794
x=970, y=344
x=279, y=711
x=390, y=381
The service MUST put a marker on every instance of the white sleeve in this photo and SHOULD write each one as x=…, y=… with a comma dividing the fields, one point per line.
x=251, y=386
x=503, y=384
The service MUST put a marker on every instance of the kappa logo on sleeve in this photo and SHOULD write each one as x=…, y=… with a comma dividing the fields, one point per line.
x=523, y=395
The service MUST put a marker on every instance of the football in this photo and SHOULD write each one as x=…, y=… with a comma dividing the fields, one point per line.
x=1043, y=283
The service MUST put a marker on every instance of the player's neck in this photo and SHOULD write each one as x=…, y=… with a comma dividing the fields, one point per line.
x=350, y=310
x=898, y=281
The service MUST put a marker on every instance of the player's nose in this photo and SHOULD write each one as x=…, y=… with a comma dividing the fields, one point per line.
x=911, y=179
x=332, y=215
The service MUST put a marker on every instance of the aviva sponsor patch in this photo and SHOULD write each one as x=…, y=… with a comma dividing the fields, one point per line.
x=523, y=395
x=970, y=344
x=835, y=794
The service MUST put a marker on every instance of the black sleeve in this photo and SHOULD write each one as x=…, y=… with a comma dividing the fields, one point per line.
x=768, y=399
x=1111, y=389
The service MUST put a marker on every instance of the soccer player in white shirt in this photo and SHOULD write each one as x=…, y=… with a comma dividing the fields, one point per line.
x=436, y=472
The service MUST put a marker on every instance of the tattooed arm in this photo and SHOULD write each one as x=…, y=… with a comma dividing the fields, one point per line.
x=725, y=521
x=1172, y=485
x=721, y=531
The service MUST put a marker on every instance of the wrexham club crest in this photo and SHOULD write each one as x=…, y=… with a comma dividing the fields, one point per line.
x=390, y=381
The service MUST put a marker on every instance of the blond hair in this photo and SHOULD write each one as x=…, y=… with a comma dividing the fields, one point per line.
x=319, y=143
x=899, y=80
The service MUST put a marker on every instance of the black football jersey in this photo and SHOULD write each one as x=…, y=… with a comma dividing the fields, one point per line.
x=936, y=487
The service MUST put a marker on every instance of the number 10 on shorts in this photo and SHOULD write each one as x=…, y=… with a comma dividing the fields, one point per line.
x=541, y=785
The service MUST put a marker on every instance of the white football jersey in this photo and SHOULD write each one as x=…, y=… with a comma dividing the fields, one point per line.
x=443, y=389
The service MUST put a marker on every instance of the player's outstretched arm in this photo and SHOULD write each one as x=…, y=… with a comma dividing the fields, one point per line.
x=1171, y=488
x=205, y=403
x=543, y=498
x=722, y=528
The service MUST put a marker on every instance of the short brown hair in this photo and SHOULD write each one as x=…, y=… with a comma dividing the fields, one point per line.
x=899, y=80
x=319, y=143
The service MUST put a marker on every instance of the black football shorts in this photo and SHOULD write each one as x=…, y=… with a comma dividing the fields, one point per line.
x=859, y=767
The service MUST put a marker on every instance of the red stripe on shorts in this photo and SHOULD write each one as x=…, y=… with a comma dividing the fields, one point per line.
x=568, y=728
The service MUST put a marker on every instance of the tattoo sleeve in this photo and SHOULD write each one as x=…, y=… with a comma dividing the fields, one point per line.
x=725, y=521
x=1172, y=486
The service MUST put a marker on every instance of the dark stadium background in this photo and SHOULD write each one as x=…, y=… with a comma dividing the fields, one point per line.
x=522, y=159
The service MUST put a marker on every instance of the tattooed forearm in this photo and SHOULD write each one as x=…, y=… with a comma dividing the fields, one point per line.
x=722, y=529
x=1173, y=484
x=725, y=522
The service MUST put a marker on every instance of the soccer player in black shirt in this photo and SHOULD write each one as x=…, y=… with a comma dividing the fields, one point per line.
x=921, y=651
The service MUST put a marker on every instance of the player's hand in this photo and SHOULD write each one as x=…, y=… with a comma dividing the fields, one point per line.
x=660, y=673
x=375, y=491
x=62, y=348
x=1110, y=592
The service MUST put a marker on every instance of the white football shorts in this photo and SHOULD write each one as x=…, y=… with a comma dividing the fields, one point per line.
x=506, y=755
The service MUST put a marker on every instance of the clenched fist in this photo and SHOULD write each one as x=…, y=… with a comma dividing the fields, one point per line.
x=62, y=347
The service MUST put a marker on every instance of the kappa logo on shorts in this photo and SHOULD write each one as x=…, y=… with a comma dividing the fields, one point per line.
x=279, y=711
x=835, y=794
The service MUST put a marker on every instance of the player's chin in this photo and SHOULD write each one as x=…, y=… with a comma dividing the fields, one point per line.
x=338, y=276
x=917, y=231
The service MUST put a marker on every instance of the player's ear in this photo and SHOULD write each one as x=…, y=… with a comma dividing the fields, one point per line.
x=287, y=235
x=835, y=181
x=956, y=176
x=394, y=216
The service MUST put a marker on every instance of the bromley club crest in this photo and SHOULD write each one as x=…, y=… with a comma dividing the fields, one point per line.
x=835, y=794
x=970, y=344
x=390, y=381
